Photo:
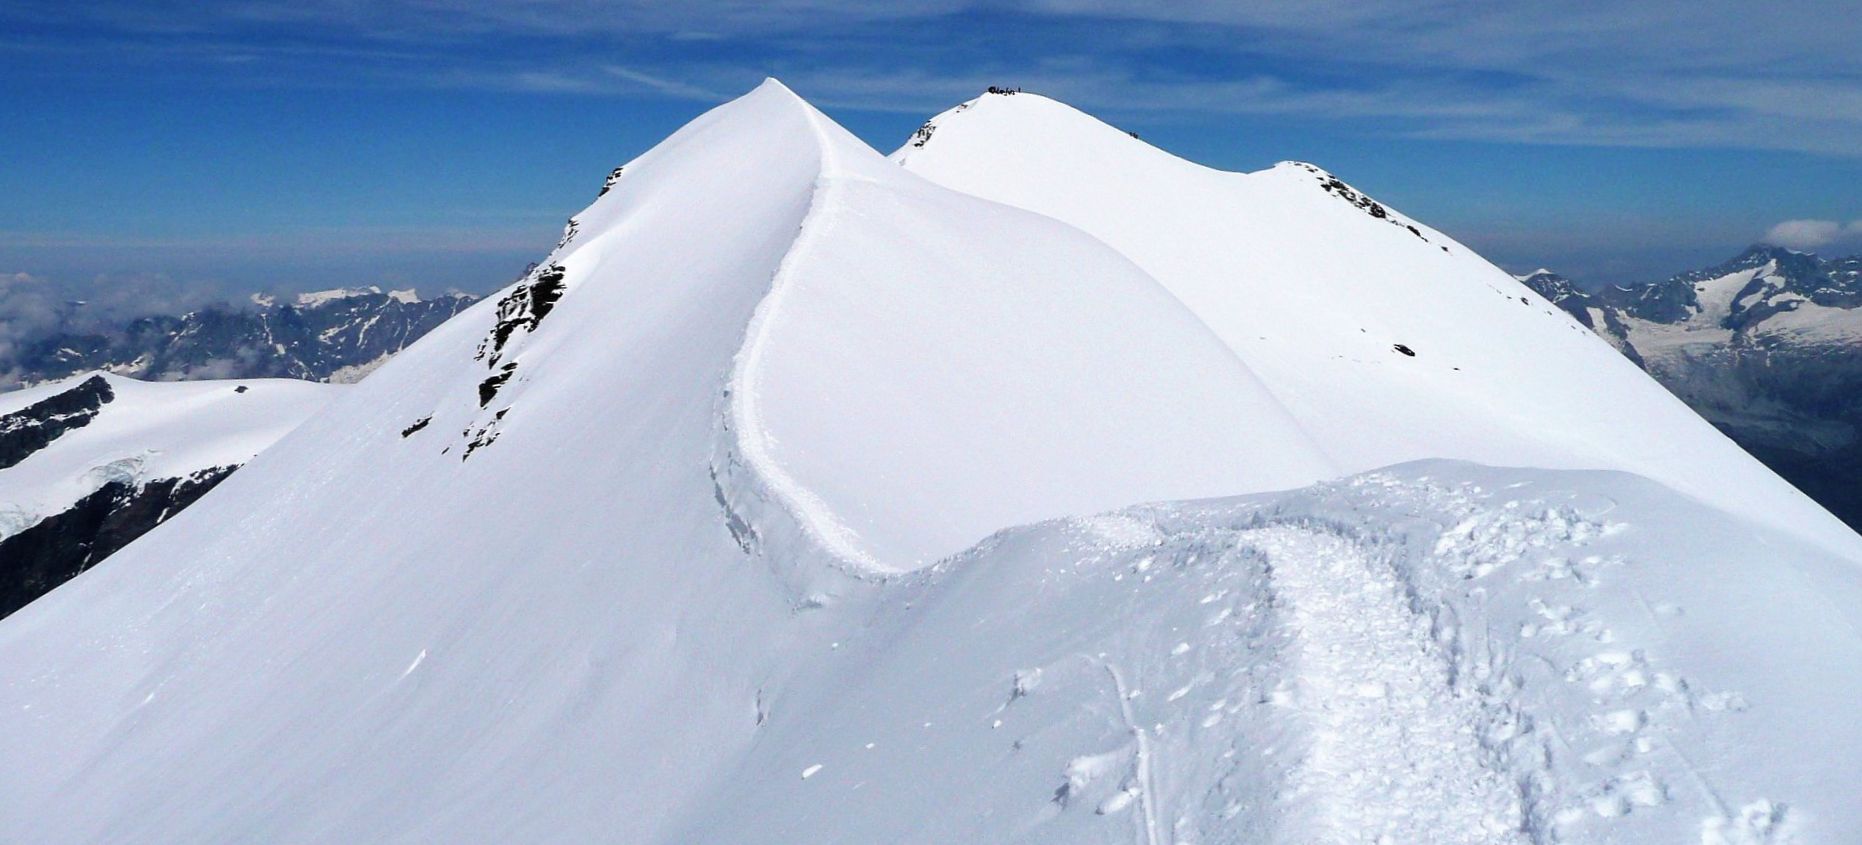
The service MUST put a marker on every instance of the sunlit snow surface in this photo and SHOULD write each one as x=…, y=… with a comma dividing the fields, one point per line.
x=147, y=431
x=1313, y=291
x=1434, y=653
x=705, y=532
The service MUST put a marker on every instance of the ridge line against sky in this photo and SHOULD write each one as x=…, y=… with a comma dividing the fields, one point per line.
x=275, y=144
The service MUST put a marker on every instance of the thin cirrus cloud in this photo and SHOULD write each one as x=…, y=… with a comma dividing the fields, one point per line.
x=1662, y=73
x=1614, y=141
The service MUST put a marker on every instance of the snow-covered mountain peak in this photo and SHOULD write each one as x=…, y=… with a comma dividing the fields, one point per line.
x=916, y=351
x=618, y=554
x=1026, y=129
x=1312, y=282
x=312, y=299
x=763, y=360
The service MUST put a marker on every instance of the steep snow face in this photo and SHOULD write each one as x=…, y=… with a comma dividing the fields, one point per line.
x=144, y=431
x=519, y=579
x=595, y=561
x=930, y=367
x=1387, y=340
x=563, y=554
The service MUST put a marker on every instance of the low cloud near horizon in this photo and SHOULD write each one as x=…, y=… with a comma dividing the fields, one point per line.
x=1811, y=234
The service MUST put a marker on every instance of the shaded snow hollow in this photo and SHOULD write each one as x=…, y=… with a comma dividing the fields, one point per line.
x=677, y=540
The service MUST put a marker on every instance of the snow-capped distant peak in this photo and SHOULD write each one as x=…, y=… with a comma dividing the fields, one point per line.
x=313, y=299
x=409, y=295
x=613, y=555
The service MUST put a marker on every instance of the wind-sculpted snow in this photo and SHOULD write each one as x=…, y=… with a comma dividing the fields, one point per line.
x=1319, y=289
x=1435, y=653
x=663, y=601
x=552, y=579
x=930, y=367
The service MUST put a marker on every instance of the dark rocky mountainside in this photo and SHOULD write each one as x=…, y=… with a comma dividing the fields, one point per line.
x=1767, y=346
x=329, y=336
x=34, y=427
x=61, y=546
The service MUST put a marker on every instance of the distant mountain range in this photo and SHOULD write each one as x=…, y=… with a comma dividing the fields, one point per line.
x=335, y=336
x=91, y=458
x=1766, y=346
x=791, y=498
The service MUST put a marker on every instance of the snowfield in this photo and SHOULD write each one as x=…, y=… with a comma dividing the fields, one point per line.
x=1438, y=652
x=148, y=430
x=1313, y=285
x=797, y=496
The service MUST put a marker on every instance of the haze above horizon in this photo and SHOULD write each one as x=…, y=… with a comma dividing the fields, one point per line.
x=220, y=148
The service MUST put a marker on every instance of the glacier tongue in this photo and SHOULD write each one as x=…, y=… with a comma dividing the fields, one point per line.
x=704, y=531
x=158, y=430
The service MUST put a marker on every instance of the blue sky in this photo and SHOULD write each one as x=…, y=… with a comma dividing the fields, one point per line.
x=210, y=147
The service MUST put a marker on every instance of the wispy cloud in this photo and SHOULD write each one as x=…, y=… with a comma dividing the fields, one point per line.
x=1812, y=234
x=1679, y=73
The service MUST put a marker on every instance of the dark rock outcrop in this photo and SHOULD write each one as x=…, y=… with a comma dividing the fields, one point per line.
x=59, y=547
x=35, y=426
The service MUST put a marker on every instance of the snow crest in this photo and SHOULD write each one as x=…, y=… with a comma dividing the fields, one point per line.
x=928, y=367
x=755, y=444
x=610, y=625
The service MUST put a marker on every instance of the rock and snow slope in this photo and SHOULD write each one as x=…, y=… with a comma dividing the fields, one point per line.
x=1767, y=346
x=677, y=541
x=334, y=335
x=90, y=463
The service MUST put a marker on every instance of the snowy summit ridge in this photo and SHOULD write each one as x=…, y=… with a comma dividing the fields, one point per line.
x=1156, y=410
x=796, y=496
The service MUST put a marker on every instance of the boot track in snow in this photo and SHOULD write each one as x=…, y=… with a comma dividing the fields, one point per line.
x=1395, y=755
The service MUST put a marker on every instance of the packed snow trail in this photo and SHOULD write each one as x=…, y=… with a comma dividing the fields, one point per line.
x=629, y=636
x=1395, y=754
x=1438, y=653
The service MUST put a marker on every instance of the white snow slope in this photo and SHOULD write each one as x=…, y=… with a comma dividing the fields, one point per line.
x=1313, y=289
x=150, y=430
x=677, y=541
